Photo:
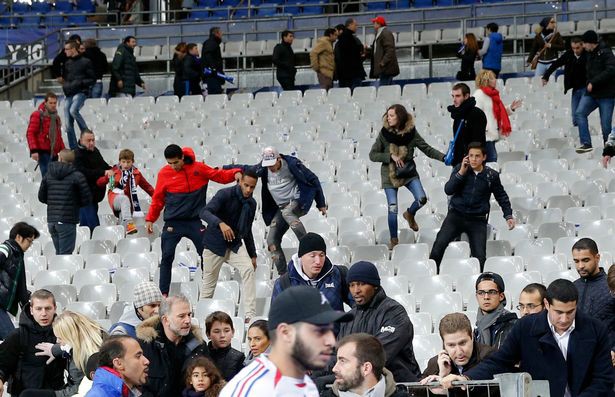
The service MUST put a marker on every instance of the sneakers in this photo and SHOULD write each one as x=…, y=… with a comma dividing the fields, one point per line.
x=393, y=243
x=411, y=221
x=131, y=228
x=584, y=148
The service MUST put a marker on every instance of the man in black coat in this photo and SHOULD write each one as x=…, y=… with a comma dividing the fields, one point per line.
x=64, y=190
x=91, y=164
x=573, y=61
x=191, y=71
x=474, y=121
x=57, y=67
x=125, y=75
x=349, y=56
x=99, y=60
x=284, y=61
x=78, y=79
x=211, y=57
x=18, y=360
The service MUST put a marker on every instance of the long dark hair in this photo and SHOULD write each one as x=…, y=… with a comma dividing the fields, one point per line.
x=402, y=115
x=217, y=381
x=471, y=43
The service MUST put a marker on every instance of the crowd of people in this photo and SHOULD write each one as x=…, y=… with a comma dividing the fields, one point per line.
x=308, y=345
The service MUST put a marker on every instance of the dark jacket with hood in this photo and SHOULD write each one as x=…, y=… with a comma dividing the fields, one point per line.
x=499, y=330
x=349, y=57
x=79, y=76
x=330, y=282
x=99, y=61
x=13, y=288
x=400, y=143
x=574, y=70
x=92, y=165
x=473, y=129
x=307, y=182
x=166, y=360
x=19, y=363
x=391, y=389
x=211, y=55
x=596, y=301
x=600, y=71
x=191, y=73
x=64, y=190
x=284, y=60
x=228, y=360
x=124, y=67
x=388, y=321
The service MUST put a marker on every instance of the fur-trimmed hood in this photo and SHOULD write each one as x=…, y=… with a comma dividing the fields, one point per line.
x=149, y=330
x=407, y=128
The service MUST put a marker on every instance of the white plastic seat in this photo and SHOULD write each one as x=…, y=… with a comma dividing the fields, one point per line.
x=90, y=276
x=519, y=233
x=55, y=277
x=370, y=253
x=397, y=285
x=421, y=322
x=534, y=247
x=356, y=238
x=504, y=264
x=204, y=307
x=579, y=215
x=105, y=293
x=546, y=263
x=102, y=261
x=420, y=286
x=498, y=248
x=89, y=247
x=441, y=303
x=410, y=252
x=111, y=233
x=426, y=346
x=466, y=285
x=457, y=250
x=411, y=268
x=189, y=289
x=455, y=266
x=63, y=294
x=72, y=263
x=597, y=229
x=227, y=289
x=133, y=275
x=556, y=230
x=93, y=310
x=515, y=282
x=571, y=275
x=126, y=245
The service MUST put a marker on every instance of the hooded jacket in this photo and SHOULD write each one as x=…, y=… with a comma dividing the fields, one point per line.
x=19, y=363
x=473, y=129
x=321, y=57
x=92, y=165
x=78, y=76
x=382, y=150
x=596, y=301
x=127, y=324
x=383, y=55
x=65, y=191
x=600, y=71
x=166, y=360
x=183, y=193
x=388, y=321
x=13, y=288
x=124, y=67
x=228, y=360
x=107, y=383
x=349, y=57
x=330, y=282
x=492, y=59
x=574, y=70
x=390, y=390
x=38, y=134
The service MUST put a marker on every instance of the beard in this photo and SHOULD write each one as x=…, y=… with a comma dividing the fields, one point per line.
x=354, y=381
x=303, y=355
x=178, y=331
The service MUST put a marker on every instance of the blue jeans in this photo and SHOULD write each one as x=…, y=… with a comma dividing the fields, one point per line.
x=384, y=80
x=420, y=198
x=575, y=98
x=492, y=154
x=64, y=236
x=43, y=162
x=88, y=216
x=586, y=106
x=72, y=105
x=541, y=69
x=6, y=325
x=172, y=233
x=97, y=90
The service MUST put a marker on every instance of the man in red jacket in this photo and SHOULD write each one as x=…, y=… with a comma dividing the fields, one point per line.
x=181, y=189
x=45, y=132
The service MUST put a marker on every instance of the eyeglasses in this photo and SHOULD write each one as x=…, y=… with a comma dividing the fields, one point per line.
x=529, y=306
x=491, y=292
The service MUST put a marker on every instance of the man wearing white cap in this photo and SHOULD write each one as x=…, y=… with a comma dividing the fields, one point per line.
x=147, y=298
x=289, y=188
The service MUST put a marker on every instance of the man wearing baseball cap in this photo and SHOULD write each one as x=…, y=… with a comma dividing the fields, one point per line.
x=381, y=316
x=382, y=53
x=147, y=298
x=493, y=321
x=288, y=190
x=302, y=340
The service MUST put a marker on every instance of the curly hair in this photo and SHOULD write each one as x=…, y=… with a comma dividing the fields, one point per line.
x=217, y=381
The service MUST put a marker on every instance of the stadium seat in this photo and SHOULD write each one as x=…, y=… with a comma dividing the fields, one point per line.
x=109, y=262
x=54, y=277
x=456, y=266
x=64, y=294
x=93, y=310
x=504, y=264
x=438, y=304
x=421, y=323
x=420, y=286
x=90, y=276
x=206, y=306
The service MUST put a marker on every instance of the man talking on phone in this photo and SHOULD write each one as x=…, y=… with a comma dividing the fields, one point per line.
x=470, y=187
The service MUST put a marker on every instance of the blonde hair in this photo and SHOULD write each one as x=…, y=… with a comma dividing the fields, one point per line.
x=483, y=77
x=82, y=334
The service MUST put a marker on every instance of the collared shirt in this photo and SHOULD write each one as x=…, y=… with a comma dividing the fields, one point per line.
x=376, y=391
x=562, y=341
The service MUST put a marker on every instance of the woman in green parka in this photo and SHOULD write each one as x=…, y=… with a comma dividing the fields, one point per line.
x=394, y=148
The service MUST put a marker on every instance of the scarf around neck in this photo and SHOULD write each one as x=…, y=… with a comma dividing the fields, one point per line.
x=397, y=137
x=461, y=111
x=128, y=179
x=485, y=321
x=244, y=222
x=499, y=110
x=53, y=128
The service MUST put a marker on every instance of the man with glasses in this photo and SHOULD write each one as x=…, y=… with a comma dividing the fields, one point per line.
x=531, y=299
x=493, y=321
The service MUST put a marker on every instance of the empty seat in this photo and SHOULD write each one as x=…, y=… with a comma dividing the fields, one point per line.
x=370, y=253
x=397, y=285
x=111, y=233
x=204, y=307
x=504, y=264
x=90, y=276
x=420, y=286
x=421, y=323
x=55, y=277
x=455, y=266
x=441, y=303
x=93, y=310
x=63, y=294
x=133, y=275
x=105, y=293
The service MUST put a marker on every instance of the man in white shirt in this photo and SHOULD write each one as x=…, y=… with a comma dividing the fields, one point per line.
x=560, y=345
x=301, y=332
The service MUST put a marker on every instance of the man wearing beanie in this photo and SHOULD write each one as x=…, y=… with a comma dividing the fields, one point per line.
x=310, y=266
x=600, y=74
x=147, y=298
x=493, y=321
x=378, y=315
x=546, y=45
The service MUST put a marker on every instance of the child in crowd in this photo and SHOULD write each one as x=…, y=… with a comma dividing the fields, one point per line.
x=202, y=379
x=220, y=331
x=122, y=193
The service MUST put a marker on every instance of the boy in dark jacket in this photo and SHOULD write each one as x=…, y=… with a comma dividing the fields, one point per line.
x=220, y=331
x=65, y=191
x=13, y=287
x=471, y=185
x=284, y=61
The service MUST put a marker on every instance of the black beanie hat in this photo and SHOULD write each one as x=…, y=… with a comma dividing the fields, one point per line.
x=365, y=272
x=590, y=37
x=311, y=242
x=545, y=22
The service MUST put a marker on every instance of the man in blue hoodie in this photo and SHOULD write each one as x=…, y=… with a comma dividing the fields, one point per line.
x=493, y=47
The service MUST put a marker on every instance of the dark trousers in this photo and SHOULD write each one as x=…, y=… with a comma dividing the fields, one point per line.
x=43, y=162
x=287, y=82
x=214, y=86
x=88, y=216
x=63, y=236
x=351, y=83
x=172, y=233
x=456, y=223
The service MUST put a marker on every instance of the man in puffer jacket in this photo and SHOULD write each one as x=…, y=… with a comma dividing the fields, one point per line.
x=125, y=75
x=45, y=133
x=79, y=78
x=64, y=190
